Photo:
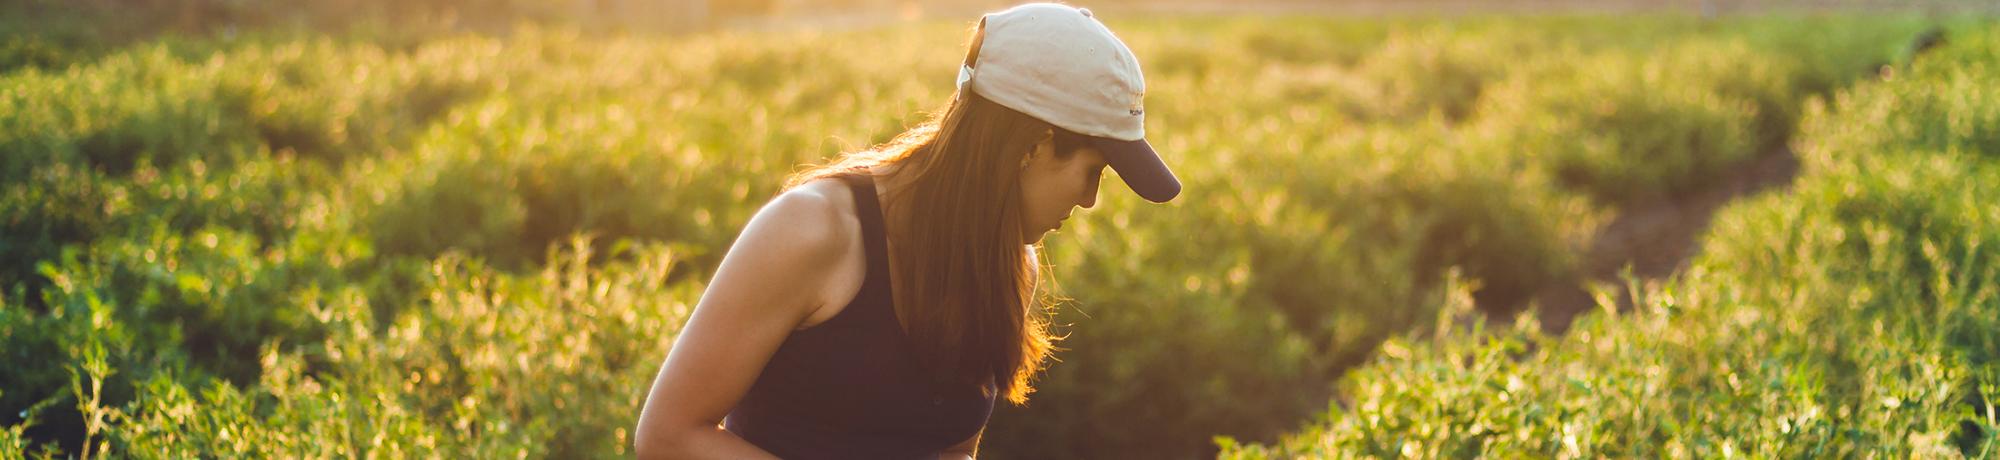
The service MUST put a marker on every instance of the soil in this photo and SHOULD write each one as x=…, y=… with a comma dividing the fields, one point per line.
x=1656, y=238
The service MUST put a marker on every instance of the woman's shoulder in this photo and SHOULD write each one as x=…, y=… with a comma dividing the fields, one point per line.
x=818, y=215
x=813, y=239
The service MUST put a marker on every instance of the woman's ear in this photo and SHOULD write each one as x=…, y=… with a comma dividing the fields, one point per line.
x=1046, y=143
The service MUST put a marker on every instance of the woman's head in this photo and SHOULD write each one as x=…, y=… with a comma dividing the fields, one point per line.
x=982, y=181
x=1058, y=176
x=1059, y=64
x=1053, y=171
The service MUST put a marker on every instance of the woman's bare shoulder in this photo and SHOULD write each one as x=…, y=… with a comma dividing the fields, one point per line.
x=798, y=243
x=813, y=220
x=841, y=257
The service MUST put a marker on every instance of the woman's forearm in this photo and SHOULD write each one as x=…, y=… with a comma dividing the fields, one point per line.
x=698, y=444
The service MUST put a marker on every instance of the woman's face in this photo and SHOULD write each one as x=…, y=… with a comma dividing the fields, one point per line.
x=1052, y=187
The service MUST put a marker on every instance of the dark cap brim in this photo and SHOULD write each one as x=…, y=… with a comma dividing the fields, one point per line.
x=1140, y=167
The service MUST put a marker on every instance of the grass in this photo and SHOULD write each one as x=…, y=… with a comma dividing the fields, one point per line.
x=1850, y=316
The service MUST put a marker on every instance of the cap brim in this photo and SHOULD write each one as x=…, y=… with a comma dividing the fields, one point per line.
x=1141, y=168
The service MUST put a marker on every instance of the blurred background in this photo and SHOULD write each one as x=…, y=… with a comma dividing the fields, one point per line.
x=1546, y=229
x=154, y=16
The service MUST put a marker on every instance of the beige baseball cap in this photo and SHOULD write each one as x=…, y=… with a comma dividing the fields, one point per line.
x=1057, y=63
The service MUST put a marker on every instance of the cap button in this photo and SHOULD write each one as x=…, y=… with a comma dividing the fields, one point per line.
x=1085, y=11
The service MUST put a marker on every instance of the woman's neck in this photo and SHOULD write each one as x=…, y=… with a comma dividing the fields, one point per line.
x=890, y=191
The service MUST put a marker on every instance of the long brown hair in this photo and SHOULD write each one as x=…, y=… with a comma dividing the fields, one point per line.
x=965, y=289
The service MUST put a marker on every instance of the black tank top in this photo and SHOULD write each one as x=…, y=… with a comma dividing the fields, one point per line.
x=850, y=387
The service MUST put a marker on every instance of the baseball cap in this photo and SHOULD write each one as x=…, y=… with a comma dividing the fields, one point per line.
x=1057, y=63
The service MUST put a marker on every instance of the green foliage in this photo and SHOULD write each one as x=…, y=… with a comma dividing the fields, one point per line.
x=477, y=370
x=1416, y=74
x=1942, y=103
x=1852, y=316
x=1623, y=127
x=290, y=244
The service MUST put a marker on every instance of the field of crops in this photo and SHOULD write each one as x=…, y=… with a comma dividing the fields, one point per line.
x=298, y=244
x=1857, y=315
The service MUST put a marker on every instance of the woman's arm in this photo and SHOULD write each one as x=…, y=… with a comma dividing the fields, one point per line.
x=771, y=279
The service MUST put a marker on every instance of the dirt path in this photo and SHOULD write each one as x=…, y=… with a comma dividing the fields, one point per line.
x=1657, y=238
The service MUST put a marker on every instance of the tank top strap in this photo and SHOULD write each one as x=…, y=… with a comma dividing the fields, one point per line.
x=868, y=208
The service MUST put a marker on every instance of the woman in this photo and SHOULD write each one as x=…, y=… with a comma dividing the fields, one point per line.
x=878, y=306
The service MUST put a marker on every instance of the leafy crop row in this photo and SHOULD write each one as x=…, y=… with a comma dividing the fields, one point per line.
x=1851, y=316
